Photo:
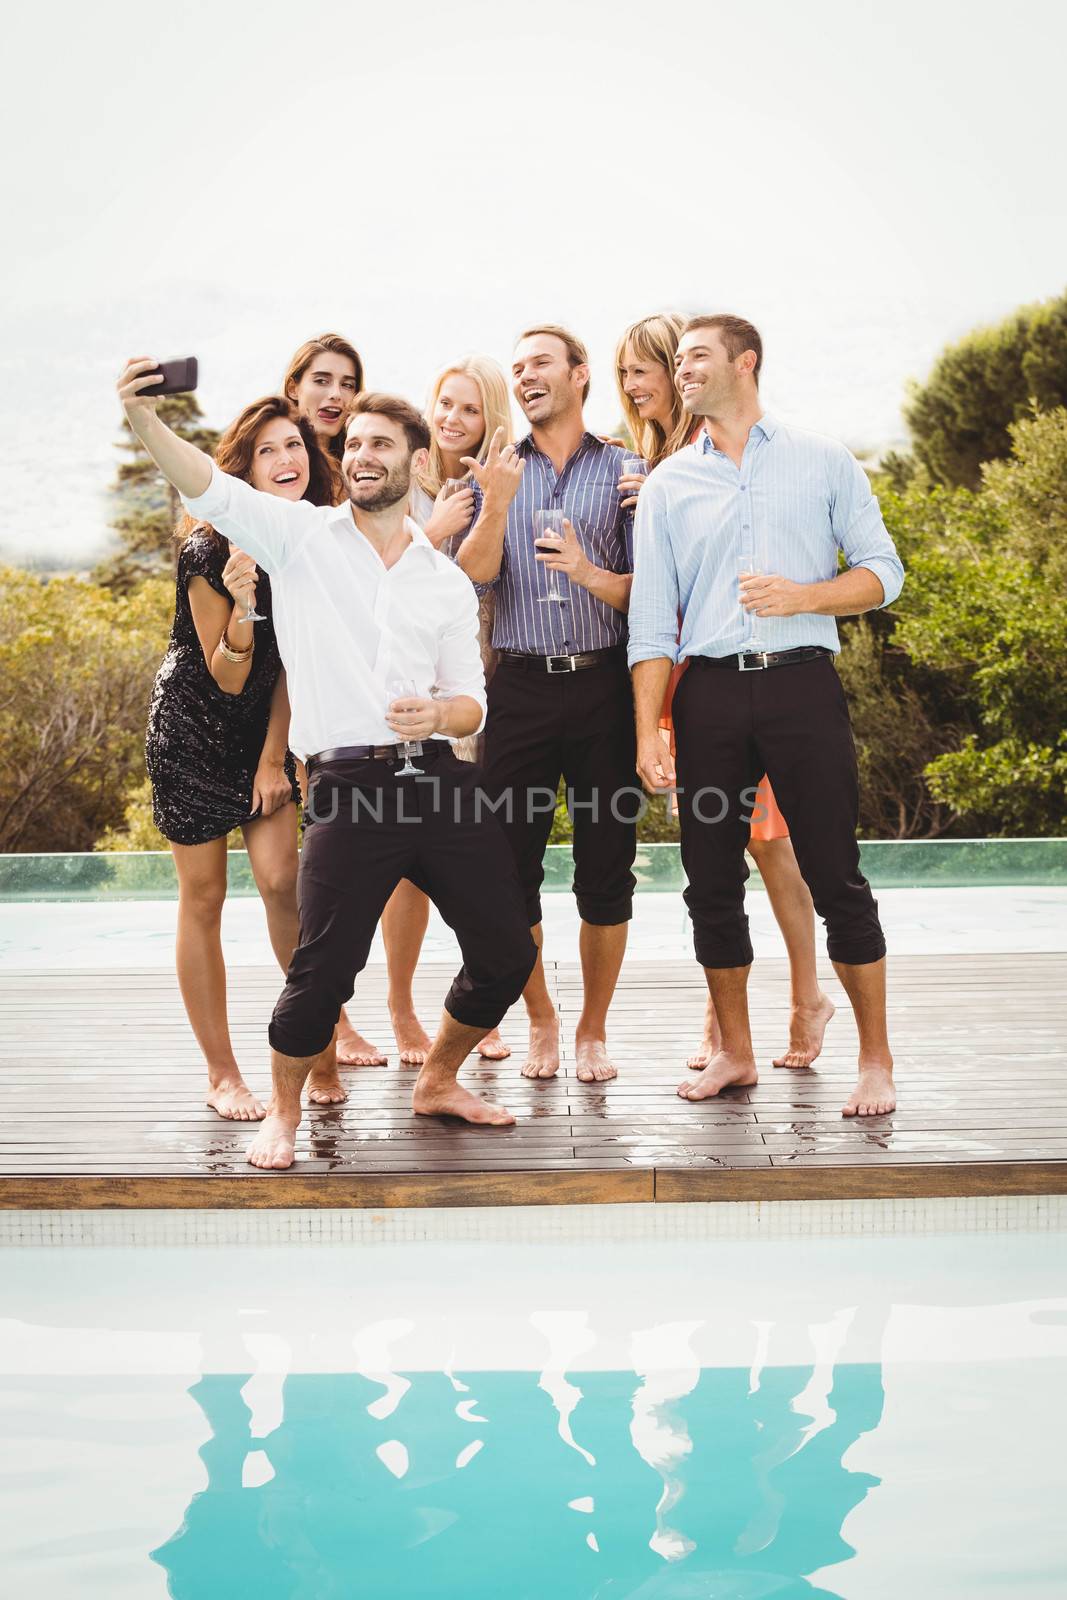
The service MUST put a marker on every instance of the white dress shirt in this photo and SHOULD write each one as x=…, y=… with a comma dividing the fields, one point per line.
x=349, y=628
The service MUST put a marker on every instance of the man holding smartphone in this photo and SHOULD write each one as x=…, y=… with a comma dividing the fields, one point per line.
x=560, y=556
x=363, y=604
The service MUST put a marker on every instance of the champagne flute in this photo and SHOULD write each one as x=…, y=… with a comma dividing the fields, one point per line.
x=748, y=567
x=405, y=689
x=251, y=614
x=452, y=486
x=548, y=532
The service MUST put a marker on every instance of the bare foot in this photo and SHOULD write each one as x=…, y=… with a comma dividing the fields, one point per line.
x=493, y=1048
x=412, y=1040
x=594, y=1063
x=721, y=1072
x=325, y=1087
x=807, y=1024
x=234, y=1100
x=542, y=1055
x=274, y=1144
x=875, y=1093
x=444, y=1097
x=355, y=1051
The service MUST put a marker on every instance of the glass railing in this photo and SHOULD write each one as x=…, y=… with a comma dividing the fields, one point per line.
x=888, y=863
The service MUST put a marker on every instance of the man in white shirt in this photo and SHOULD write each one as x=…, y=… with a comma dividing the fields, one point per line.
x=379, y=635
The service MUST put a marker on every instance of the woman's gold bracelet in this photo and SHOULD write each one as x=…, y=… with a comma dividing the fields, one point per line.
x=238, y=657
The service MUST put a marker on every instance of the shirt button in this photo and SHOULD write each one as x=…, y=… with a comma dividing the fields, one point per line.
x=743, y=488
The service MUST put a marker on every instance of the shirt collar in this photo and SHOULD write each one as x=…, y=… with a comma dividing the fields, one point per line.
x=526, y=443
x=419, y=540
x=765, y=425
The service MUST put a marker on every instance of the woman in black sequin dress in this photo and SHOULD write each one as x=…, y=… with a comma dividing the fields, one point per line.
x=216, y=741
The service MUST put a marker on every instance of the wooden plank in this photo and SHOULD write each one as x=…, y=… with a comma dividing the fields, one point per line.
x=104, y=1097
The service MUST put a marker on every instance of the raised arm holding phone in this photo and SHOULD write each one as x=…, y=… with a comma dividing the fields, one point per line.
x=364, y=601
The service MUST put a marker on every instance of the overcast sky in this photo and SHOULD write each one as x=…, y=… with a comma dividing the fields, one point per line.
x=865, y=181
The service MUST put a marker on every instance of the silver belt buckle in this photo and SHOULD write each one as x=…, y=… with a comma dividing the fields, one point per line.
x=568, y=663
x=761, y=657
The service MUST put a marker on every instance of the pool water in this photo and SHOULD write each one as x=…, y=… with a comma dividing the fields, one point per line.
x=584, y=1402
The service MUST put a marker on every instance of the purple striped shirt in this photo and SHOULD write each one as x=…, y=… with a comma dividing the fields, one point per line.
x=587, y=493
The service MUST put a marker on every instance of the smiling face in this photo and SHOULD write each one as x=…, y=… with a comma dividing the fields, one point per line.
x=325, y=392
x=458, y=420
x=649, y=386
x=708, y=381
x=280, y=460
x=378, y=462
x=544, y=383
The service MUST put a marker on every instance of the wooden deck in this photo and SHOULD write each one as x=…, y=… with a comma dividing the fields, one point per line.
x=103, y=1082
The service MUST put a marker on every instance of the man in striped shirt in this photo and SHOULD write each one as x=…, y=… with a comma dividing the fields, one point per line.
x=560, y=700
x=739, y=536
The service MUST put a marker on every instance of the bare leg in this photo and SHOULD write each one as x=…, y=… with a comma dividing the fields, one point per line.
x=271, y=843
x=734, y=1063
x=274, y=1143
x=601, y=950
x=875, y=1092
x=404, y=923
x=711, y=1043
x=201, y=872
x=437, y=1094
x=542, y=1058
x=810, y=1009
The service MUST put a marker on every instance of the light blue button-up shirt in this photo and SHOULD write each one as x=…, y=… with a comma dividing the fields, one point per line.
x=795, y=501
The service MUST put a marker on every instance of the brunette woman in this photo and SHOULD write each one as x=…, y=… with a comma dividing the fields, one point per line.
x=652, y=406
x=216, y=741
x=322, y=380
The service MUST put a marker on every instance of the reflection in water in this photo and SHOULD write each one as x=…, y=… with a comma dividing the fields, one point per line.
x=333, y=1504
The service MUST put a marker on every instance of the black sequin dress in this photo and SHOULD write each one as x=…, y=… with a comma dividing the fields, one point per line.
x=202, y=747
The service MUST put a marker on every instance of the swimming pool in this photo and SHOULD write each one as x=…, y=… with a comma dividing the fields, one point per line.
x=854, y=1399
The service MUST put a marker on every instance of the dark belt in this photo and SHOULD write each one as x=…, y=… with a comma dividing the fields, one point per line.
x=574, y=663
x=376, y=752
x=762, y=659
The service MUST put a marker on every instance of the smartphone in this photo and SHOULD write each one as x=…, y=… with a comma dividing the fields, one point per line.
x=179, y=377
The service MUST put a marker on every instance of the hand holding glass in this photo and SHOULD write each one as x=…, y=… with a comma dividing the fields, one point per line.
x=404, y=689
x=251, y=614
x=633, y=467
x=548, y=537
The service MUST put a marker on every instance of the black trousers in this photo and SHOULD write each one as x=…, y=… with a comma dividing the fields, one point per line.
x=792, y=723
x=579, y=726
x=367, y=829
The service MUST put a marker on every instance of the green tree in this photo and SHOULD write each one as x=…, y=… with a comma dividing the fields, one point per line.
x=76, y=668
x=961, y=417
x=146, y=506
x=983, y=615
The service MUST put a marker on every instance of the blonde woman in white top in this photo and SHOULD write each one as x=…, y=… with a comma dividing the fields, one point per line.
x=468, y=404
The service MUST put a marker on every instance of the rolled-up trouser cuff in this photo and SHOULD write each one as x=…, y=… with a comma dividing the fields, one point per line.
x=855, y=952
x=484, y=1005
x=301, y=1045
x=601, y=913
x=718, y=955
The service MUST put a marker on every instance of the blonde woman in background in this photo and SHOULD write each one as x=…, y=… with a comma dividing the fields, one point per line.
x=658, y=425
x=468, y=406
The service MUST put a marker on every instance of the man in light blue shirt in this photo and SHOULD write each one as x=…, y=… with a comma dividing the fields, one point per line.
x=737, y=573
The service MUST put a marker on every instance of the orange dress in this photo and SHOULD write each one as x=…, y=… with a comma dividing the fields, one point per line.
x=767, y=820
